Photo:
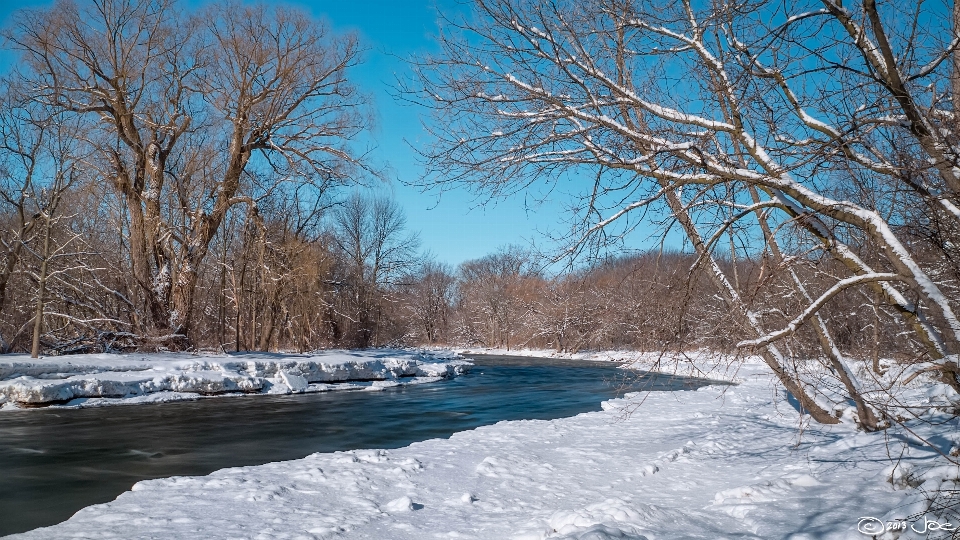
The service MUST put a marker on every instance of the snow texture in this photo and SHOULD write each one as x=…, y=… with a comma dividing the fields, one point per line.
x=102, y=379
x=597, y=356
x=719, y=462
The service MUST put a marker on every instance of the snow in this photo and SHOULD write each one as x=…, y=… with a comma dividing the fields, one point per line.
x=704, y=364
x=106, y=379
x=599, y=356
x=718, y=462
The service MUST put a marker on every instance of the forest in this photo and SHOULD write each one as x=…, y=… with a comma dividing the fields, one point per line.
x=195, y=180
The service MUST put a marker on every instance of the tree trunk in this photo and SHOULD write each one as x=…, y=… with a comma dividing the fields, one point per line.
x=221, y=301
x=876, y=334
x=955, y=76
x=866, y=416
x=770, y=354
x=41, y=290
x=140, y=262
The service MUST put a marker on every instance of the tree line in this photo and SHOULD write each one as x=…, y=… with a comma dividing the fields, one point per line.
x=157, y=137
x=185, y=179
x=175, y=179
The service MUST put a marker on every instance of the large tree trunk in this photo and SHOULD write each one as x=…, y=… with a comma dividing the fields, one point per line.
x=867, y=417
x=770, y=353
x=184, y=286
x=140, y=261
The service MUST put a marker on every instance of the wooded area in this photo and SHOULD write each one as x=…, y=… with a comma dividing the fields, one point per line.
x=174, y=179
x=815, y=141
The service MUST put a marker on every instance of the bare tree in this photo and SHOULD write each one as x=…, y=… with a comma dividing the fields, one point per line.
x=190, y=108
x=22, y=143
x=40, y=162
x=370, y=235
x=49, y=250
x=428, y=297
x=756, y=126
x=494, y=297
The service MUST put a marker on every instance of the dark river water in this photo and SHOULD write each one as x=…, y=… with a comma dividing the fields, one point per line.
x=54, y=462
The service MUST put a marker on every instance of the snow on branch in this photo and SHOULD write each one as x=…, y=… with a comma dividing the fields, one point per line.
x=793, y=325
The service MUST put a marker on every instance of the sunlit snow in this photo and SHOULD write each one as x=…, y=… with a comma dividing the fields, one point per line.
x=718, y=462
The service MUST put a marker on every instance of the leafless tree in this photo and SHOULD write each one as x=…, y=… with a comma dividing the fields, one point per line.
x=801, y=131
x=40, y=163
x=494, y=297
x=370, y=235
x=22, y=140
x=49, y=250
x=427, y=295
x=190, y=107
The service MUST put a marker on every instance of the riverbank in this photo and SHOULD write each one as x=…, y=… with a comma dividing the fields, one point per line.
x=619, y=356
x=109, y=379
x=703, y=364
x=718, y=462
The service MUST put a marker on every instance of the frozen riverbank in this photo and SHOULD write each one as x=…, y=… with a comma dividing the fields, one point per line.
x=595, y=356
x=719, y=462
x=666, y=362
x=701, y=364
x=102, y=379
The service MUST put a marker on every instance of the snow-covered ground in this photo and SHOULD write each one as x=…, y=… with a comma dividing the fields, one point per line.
x=704, y=364
x=689, y=362
x=104, y=379
x=600, y=356
x=718, y=462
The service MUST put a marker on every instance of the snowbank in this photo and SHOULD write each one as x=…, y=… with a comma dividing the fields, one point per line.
x=599, y=356
x=99, y=379
x=719, y=462
x=701, y=363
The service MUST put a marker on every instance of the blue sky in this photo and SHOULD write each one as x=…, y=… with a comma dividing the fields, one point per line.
x=455, y=226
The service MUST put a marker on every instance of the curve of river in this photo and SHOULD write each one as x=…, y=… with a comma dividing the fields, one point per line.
x=54, y=462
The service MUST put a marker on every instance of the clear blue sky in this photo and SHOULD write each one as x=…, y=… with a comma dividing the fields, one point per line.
x=455, y=227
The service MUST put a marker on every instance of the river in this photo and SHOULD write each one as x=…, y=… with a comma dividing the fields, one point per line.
x=54, y=462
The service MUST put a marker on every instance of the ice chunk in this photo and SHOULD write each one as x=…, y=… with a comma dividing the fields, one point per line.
x=403, y=504
x=296, y=383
